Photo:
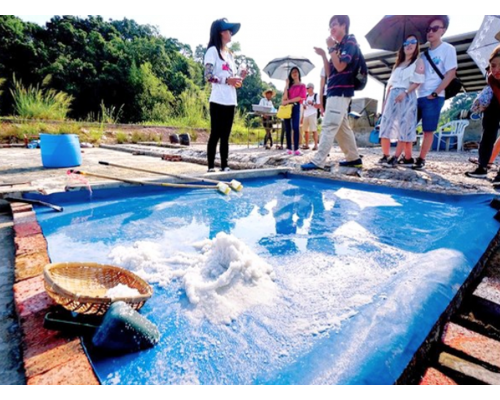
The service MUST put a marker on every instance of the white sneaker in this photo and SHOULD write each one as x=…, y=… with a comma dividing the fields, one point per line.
x=227, y=169
x=210, y=170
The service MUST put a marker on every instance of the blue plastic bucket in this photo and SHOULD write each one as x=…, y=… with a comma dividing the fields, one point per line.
x=60, y=151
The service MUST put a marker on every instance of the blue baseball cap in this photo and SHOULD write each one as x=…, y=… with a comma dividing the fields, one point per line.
x=228, y=26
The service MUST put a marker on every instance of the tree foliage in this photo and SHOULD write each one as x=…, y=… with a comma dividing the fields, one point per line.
x=461, y=102
x=121, y=64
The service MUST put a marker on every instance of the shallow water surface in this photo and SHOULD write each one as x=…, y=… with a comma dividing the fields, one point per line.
x=328, y=283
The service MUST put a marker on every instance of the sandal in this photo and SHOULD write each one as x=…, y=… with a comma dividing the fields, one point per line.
x=476, y=162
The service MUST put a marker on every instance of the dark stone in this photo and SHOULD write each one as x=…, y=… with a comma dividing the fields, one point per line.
x=124, y=330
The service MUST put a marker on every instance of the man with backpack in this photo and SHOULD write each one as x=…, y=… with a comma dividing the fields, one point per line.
x=343, y=71
x=312, y=106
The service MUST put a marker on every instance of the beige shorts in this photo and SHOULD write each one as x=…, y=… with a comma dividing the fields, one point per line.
x=311, y=123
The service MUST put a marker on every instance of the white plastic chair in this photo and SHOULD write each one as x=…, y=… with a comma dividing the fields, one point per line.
x=452, y=129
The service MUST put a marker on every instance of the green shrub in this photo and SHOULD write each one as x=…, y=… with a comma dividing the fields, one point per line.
x=121, y=138
x=138, y=137
x=37, y=103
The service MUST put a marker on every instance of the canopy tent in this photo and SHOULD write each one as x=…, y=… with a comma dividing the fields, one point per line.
x=380, y=64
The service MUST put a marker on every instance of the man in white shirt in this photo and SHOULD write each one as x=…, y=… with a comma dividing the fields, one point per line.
x=267, y=120
x=311, y=106
x=431, y=94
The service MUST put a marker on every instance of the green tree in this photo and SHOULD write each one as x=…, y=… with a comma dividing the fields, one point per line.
x=152, y=98
x=461, y=102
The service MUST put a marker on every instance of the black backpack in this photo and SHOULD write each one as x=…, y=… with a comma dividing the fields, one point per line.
x=360, y=72
x=318, y=115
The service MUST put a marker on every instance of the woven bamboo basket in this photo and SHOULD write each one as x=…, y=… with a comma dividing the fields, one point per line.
x=82, y=287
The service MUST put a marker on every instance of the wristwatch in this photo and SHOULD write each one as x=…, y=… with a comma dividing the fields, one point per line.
x=434, y=94
x=332, y=49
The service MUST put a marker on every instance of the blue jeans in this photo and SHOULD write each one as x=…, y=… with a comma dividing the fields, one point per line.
x=294, y=123
x=429, y=112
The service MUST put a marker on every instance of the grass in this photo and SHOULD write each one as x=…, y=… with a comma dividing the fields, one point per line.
x=34, y=102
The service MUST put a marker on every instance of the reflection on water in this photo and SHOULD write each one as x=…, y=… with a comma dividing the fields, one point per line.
x=360, y=278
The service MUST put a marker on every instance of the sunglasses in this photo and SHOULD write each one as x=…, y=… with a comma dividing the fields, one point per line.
x=434, y=28
x=410, y=42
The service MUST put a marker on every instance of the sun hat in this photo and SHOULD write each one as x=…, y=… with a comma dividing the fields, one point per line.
x=267, y=91
x=310, y=85
x=228, y=26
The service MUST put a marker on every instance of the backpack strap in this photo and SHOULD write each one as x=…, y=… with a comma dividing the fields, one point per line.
x=428, y=56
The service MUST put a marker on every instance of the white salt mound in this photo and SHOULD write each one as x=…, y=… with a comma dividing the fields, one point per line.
x=120, y=291
x=222, y=280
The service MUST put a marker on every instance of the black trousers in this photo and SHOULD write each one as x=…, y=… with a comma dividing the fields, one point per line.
x=491, y=121
x=221, y=122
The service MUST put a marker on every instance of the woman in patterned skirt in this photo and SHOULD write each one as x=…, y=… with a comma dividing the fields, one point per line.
x=399, y=116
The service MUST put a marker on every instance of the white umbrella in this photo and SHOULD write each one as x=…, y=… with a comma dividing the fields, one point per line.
x=279, y=68
x=485, y=42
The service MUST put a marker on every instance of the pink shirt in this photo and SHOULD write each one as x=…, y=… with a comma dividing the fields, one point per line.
x=298, y=91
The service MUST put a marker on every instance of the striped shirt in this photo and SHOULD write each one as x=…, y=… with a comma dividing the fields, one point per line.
x=342, y=83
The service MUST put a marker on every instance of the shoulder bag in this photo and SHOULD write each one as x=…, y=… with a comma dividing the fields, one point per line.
x=454, y=87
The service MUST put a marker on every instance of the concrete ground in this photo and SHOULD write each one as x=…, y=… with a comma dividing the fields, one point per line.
x=445, y=171
x=11, y=369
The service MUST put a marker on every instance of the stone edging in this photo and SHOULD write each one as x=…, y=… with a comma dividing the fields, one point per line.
x=50, y=357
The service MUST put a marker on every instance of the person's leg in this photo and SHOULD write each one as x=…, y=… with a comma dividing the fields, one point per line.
x=407, y=118
x=491, y=120
x=306, y=128
x=227, y=124
x=265, y=124
x=408, y=148
x=347, y=141
x=296, y=126
x=283, y=129
x=313, y=127
x=336, y=110
x=389, y=124
x=490, y=129
x=386, y=147
x=215, y=131
x=431, y=111
x=288, y=132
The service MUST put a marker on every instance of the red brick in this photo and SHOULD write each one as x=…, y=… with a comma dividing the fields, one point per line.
x=75, y=372
x=27, y=229
x=30, y=265
x=30, y=244
x=20, y=208
x=41, y=362
x=30, y=297
x=433, y=377
x=489, y=289
x=469, y=369
x=24, y=217
x=475, y=345
x=38, y=340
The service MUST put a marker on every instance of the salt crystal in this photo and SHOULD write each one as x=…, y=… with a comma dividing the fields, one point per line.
x=121, y=291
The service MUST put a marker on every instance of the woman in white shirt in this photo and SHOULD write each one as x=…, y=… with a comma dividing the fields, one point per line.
x=399, y=116
x=220, y=71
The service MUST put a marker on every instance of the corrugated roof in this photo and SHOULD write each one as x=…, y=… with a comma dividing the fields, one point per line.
x=380, y=64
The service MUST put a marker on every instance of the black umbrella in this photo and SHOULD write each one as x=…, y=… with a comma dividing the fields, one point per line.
x=279, y=68
x=390, y=33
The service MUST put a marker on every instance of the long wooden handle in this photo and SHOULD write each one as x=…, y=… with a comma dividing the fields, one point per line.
x=144, y=183
x=184, y=177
